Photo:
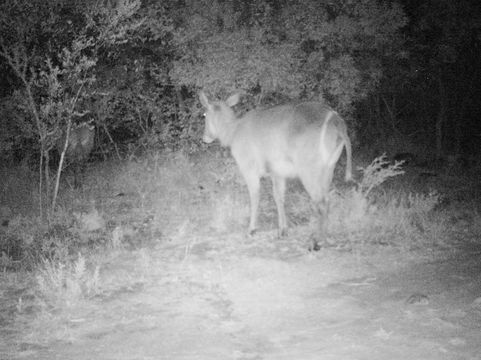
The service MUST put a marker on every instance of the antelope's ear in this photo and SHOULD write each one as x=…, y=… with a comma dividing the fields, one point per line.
x=233, y=99
x=203, y=99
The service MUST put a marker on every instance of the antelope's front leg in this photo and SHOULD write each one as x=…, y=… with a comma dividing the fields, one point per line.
x=253, y=184
x=279, y=189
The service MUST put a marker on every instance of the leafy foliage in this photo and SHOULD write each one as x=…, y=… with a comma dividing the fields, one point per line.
x=321, y=49
x=139, y=65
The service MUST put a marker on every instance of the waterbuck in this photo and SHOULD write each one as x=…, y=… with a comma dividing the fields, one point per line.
x=301, y=141
x=80, y=145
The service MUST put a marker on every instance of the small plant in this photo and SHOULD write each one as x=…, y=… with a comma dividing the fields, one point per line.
x=378, y=172
x=386, y=218
x=62, y=284
x=352, y=210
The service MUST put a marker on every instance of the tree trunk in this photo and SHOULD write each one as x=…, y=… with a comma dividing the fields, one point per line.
x=441, y=118
x=62, y=159
x=379, y=118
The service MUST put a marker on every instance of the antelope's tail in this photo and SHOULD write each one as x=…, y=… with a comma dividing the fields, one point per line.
x=329, y=157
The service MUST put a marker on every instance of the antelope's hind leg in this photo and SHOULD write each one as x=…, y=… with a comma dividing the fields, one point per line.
x=318, y=238
x=317, y=186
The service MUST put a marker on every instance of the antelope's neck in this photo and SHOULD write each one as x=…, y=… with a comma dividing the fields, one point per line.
x=226, y=136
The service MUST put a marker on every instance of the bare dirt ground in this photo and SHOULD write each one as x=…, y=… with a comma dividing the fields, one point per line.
x=238, y=298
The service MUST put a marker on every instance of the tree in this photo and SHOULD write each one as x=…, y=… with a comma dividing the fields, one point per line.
x=430, y=97
x=56, y=76
x=313, y=49
x=446, y=37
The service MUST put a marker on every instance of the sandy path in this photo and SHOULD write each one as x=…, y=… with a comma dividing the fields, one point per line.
x=244, y=306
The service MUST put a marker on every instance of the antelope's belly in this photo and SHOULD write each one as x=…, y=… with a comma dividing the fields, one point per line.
x=281, y=167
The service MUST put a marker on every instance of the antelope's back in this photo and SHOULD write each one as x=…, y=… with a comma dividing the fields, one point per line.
x=288, y=126
x=283, y=139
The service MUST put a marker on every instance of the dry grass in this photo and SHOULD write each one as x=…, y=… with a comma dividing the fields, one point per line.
x=127, y=207
x=62, y=285
x=143, y=201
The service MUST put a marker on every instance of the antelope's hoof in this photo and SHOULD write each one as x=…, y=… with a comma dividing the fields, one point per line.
x=314, y=246
x=282, y=233
x=251, y=232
